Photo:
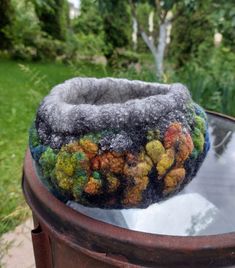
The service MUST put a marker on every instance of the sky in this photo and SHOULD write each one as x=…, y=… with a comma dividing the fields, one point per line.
x=75, y=2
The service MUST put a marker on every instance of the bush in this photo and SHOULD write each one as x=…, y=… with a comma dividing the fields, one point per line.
x=54, y=17
x=210, y=78
x=6, y=16
x=49, y=49
x=122, y=58
x=41, y=48
x=90, y=44
x=28, y=41
x=23, y=52
x=89, y=21
x=117, y=25
x=24, y=27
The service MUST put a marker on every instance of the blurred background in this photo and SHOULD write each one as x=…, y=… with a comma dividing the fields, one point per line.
x=44, y=42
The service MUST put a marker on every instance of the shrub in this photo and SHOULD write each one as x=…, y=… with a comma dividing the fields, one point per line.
x=6, y=16
x=210, y=78
x=122, y=58
x=23, y=52
x=49, y=49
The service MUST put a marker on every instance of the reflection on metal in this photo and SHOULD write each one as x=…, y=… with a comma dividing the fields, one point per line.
x=226, y=137
x=220, y=133
x=112, y=216
x=201, y=220
x=186, y=214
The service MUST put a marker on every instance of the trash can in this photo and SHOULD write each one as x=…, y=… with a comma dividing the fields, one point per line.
x=65, y=237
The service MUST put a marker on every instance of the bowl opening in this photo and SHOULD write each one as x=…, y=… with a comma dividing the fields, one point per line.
x=109, y=91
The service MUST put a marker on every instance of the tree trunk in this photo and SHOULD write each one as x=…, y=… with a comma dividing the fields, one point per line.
x=158, y=53
x=162, y=38
x=134, y=33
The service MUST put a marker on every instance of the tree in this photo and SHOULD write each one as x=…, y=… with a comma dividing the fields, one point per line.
x=190, y=31
x=166, y=13
x=53, y=16
x=88, y=30
x=89, y=21
x=144, y=13
x=6, y=16
x=117, y=24
x=223, y=18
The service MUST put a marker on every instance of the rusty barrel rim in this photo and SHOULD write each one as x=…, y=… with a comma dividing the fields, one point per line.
x=137, y=247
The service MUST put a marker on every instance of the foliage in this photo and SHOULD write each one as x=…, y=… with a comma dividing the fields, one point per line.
x=117, y=24
x=89, y=31
x=49, y=49
x=6, y=16
x=210, y=79
x=223, y=18
x=90, y=45
x=122, y=59
x=53, y=17
x=24, y=27
x=20, y=35
x=165, y=12
x=185, y=41
x=143, y=11
x=84, y=46
x=29, y=43
x=138, y=72
x=89, y=20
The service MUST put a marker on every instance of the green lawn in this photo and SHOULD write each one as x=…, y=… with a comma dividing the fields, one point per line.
x=21, y=90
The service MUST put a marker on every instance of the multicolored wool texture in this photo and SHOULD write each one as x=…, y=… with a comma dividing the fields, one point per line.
x=115, y=143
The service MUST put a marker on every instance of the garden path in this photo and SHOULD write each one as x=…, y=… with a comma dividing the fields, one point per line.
x=18, y=247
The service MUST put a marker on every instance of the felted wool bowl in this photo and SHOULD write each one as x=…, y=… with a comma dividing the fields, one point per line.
x=116, y=143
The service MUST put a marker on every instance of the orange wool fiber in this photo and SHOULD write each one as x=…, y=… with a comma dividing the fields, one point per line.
x=173, y=179
x=93, y=186
x=89, y=147
x=172, y=135
x=133, y=194
x=185, y=148
x=109, y=161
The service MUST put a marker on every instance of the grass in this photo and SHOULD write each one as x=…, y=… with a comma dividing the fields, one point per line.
x=22, y=87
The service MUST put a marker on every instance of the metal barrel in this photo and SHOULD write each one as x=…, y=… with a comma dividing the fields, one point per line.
x=64, y=238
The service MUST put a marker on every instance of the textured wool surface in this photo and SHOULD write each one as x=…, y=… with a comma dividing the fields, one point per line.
x=83, y=105
x=118, y=143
